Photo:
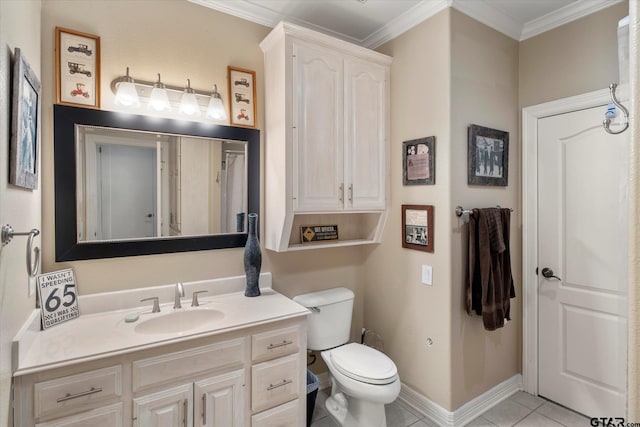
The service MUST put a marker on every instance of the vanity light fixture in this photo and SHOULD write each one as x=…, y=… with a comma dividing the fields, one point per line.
x=164, y=98
x=216, y=110
x=189, y=103
x=159, y=100
x=126, y=94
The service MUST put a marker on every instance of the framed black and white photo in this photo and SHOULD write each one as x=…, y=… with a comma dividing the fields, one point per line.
x=25, y=125
x=417, y=227
x=418, y=161
x=488, y=156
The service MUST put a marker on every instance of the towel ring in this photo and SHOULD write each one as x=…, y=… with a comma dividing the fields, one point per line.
x=33, y=266
x=607, y=122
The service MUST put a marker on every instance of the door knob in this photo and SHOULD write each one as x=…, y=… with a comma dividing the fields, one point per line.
x=548, y=273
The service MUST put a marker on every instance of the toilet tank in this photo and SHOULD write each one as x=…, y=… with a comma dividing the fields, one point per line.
x=329, y=324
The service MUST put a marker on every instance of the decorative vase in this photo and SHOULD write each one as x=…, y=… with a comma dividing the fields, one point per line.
x=252, y=259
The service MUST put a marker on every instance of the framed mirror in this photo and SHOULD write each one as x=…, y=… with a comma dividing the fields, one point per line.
x=129, y=185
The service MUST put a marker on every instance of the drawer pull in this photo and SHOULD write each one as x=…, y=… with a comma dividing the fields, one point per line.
x=185, y=408
x=204, y=409
x=282, y=344
x=69, y=396
x=283, y=383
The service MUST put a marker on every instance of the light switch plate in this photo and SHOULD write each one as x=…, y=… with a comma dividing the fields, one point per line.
x=427, y=274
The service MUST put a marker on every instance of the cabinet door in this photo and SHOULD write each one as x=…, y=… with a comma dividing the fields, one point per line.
x=318, y=149
x=220, y=400
x=366, y=112
x=172, y=407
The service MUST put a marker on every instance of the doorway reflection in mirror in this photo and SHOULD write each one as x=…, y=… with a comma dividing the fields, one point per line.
x=141, y=185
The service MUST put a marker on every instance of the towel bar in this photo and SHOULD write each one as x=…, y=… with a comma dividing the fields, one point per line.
x=462, y=211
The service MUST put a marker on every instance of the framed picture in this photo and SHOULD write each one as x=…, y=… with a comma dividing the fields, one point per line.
x=25, y=125
x=417, y=227
x=242, y=97
x=418, y=161
x=488, y=156
x=77, y=68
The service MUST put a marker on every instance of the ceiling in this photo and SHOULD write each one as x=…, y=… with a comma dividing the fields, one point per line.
x=371, y=23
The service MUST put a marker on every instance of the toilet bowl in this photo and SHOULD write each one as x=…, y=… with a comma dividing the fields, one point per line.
x=362, y=378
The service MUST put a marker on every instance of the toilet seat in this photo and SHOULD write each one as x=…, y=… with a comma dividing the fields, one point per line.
x=364, y=364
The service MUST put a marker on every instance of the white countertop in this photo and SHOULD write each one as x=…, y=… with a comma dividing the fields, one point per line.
x=101, y=331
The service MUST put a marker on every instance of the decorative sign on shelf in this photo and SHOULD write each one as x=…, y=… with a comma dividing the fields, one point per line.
x=58, y=297
x=317, y=233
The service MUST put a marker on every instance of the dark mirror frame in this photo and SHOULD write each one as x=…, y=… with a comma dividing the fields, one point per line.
x=67, y=247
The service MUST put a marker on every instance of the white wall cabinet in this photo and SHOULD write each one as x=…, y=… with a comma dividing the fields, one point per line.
x=327, y=132
x=252, y=376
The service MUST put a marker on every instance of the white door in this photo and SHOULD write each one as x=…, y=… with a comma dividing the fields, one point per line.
x=365, y=130
x=582, y=238
x=126, y=192
x=318, y=134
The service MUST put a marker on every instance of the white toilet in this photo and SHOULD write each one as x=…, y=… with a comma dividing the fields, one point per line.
x=362, y=379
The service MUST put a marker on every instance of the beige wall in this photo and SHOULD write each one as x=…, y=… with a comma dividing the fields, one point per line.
x=397, y=306
x=484, y=91
x=573, y=59
x=184, y=40
x=20, y=27
x=448, y=72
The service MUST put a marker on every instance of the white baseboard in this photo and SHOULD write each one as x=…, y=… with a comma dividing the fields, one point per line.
x=466, y=412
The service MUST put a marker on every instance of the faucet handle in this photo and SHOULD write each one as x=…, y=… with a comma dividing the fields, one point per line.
x=194, y=300
x=156, y=303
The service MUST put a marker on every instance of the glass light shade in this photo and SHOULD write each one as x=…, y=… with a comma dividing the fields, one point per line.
x=126, y=95
x=189, y=104
x=159, y=100
x=216, y=110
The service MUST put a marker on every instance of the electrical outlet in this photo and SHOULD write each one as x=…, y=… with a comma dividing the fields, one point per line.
x=427, y=274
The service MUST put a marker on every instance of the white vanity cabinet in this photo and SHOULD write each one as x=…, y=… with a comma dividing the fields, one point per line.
x=253, y=376
x=327, y=133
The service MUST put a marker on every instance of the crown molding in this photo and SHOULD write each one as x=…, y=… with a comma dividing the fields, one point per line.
x=405, y=22
x=247, y=11
x=571, y=12
x=495, y=18
x=477, y=9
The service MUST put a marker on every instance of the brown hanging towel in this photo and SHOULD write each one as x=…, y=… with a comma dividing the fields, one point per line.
x=489, y=279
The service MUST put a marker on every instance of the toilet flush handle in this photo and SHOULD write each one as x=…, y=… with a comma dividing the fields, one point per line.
x=314, y=309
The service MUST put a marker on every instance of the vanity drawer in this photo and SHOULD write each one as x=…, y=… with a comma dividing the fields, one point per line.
x=275, y=382
x=173, y=366
x=109, y=416
x=286, y=415
x=77, y=391
x=272, y=344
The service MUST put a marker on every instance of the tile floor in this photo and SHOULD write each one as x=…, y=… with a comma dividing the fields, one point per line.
x=521, y=410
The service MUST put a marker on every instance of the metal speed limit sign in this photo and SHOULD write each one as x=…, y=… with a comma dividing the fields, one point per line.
x=58, y=297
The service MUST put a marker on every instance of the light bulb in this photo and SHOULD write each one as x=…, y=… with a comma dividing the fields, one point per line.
x=189, y=104
x=216, y=109
x=159, y=100
x=126, y=93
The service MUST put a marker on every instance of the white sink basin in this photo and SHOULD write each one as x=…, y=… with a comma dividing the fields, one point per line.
x=178, y=321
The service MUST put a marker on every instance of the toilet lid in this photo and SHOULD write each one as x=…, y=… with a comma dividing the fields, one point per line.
x=364, y=364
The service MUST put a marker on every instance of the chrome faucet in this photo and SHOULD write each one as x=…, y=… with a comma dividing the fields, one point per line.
x=179, y=293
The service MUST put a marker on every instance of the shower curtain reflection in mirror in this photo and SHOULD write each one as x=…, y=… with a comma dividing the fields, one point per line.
x=234, y=196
